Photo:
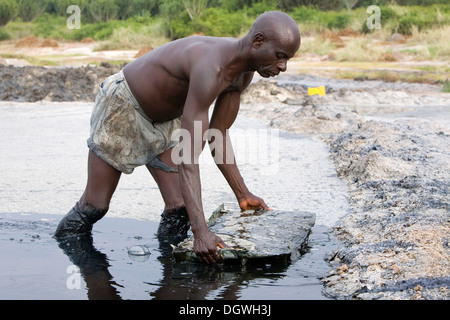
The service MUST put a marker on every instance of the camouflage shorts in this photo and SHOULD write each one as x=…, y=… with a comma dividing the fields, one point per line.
x=122, y=134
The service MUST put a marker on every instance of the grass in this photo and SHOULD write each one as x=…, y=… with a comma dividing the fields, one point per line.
x=130, y=38
x=34, y=60
x=360, y=49
x=446, y=86
x=385, y=71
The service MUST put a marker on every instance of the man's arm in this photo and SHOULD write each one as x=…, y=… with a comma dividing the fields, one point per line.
x=224, y=115
x=203, y=89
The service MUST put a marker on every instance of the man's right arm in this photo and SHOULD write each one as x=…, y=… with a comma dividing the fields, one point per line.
x=203, y=89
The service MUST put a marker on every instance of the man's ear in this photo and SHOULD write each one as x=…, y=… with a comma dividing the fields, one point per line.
x=258, y=39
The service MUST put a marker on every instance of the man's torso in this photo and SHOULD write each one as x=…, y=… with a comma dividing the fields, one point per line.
x=160, y=79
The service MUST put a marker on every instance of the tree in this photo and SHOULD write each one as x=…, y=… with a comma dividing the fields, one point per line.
x=8, y=10
x=103, y=10
x=170, y=9
x=195, y=8
x=144, y=7
x=60, y=6
x=29, y=10
x=349, y=4
x=124, y=8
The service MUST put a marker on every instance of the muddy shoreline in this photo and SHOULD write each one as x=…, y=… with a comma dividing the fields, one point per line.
x=396, y=166
x=395, y=240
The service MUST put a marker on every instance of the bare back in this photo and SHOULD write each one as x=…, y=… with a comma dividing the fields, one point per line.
x=160, y=79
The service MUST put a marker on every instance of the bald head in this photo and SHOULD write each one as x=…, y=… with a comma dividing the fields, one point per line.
x=279, y=26
x=273, y=39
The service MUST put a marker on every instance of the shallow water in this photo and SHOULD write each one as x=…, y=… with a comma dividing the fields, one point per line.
x=43, y=173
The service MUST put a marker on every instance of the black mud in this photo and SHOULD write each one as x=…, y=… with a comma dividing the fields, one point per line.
x=36, y=266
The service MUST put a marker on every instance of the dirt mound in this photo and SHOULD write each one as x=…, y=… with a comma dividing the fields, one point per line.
x=30, y=41
x=30, y=84
x=87, y=40
x=387, y=57
x=348, y=32
x=333, y=37
x=49, y=43
x=143, y=51
x=197, y=34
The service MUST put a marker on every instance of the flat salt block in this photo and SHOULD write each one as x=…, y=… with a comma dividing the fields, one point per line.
x=251, y=235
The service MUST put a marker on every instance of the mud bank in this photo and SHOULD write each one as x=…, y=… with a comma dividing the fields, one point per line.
x=30, y=84
x=396, y=166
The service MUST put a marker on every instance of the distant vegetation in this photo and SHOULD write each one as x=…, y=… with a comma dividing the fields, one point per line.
x=131, y=24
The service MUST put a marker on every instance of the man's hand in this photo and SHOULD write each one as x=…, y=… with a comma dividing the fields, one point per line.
x=205, y=246
x=252, y=202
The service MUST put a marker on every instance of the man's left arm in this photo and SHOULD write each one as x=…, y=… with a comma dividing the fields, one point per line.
x=225, y=112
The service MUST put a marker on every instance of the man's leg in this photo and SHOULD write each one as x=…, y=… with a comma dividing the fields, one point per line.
x=94, y=203
x=174, y=219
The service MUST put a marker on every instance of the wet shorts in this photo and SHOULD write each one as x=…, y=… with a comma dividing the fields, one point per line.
x=122, y=134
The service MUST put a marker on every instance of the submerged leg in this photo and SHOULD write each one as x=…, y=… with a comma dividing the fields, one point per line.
x=94, y=203
x=79, y=220
x=174, y=224
x=174, y=219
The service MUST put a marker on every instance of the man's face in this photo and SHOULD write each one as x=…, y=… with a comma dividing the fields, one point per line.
x=272, y=56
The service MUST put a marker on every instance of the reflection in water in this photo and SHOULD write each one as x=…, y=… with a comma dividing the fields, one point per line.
x=93, y=266
x=194, y=281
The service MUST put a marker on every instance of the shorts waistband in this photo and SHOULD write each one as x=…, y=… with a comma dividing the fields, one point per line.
x=130, y=94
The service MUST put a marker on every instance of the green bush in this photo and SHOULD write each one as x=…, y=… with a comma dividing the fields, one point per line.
x=47, y=25
x=446, y=86
x=219, y=22
x=8, y=10
x=53, y=26
x=328, y=19
x=422, y=18
x=387, y=13
x=4, y=35
x=260, y=7
x=412, y=17
x=305, y=14
x=337, y=20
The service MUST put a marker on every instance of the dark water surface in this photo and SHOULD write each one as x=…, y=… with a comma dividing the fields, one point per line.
x=36, y=266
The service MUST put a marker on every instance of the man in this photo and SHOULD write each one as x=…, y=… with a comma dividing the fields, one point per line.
x=137, y=111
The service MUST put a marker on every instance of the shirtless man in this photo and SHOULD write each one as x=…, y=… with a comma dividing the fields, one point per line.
x=137, y=110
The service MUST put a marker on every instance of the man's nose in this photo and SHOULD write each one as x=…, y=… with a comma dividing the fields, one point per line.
x=282, y=66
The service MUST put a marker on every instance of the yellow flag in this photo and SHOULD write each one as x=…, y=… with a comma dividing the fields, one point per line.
x=318, y=90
